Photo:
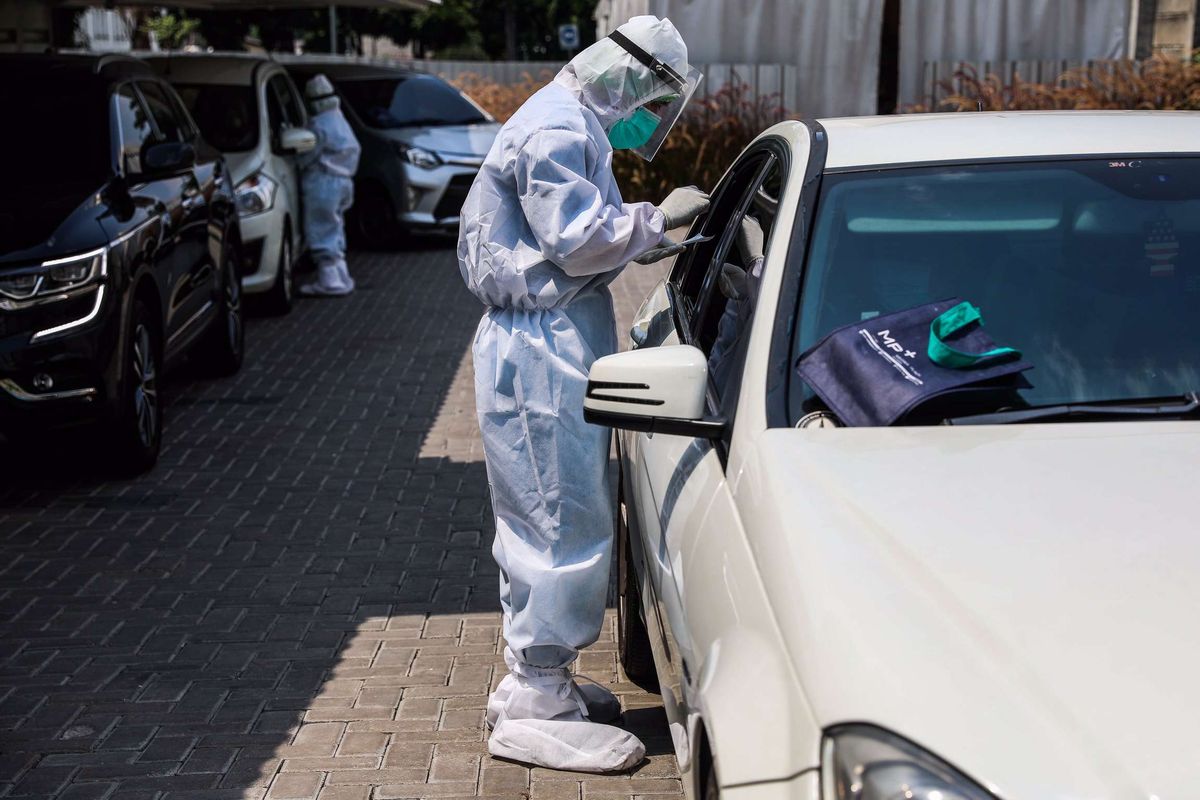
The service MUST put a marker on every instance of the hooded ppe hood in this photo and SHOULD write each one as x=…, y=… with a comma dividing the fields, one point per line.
x=320, y=94
x=612, y=83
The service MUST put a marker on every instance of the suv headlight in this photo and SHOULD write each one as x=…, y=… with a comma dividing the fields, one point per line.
x=425, y=159
x=860, y=762
x=255, y=195
x=55, y=277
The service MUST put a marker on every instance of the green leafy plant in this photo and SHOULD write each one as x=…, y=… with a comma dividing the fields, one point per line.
x=173, y=31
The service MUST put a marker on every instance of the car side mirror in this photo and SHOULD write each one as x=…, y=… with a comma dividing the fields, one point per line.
x=297, y=140
x=166, y=158
x=655, y=390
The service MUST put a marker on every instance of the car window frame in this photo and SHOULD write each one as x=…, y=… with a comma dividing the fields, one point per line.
x=181, y=123
x=773, y=152
x=119, y=136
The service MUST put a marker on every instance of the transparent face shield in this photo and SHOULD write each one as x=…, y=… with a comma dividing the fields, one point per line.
x=669, y=108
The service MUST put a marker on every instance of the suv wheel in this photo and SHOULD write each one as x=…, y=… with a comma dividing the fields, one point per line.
x=283, y=293
x=224, y=346
x=374, y=221
x=633, y=641
x=136, y=438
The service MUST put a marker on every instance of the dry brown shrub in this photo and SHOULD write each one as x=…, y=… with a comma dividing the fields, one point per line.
x=1156, y=83
x=499, y=99
x=714, y=130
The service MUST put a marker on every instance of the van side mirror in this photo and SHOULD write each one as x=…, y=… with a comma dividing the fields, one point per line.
x=297, y=140
x=167, y=158
x=655, y=390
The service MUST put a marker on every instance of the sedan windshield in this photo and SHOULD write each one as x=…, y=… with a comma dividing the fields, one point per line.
x=409, y=101
x=227, y=115
x=1091, y=268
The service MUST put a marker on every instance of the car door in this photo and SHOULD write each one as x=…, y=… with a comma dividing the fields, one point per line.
x=154, y=202
x=680, y=496
x=195, y=274
x=285, y=110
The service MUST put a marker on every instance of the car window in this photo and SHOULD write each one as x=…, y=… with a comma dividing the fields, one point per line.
x=727, y=309
x=170, y=128
x=134, y=125
x=408, y=101
x=287, y=103
x=694, y=267
x=227, y=115
x=1086, y=266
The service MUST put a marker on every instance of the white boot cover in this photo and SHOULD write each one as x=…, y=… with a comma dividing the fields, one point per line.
x=602, y=705
x=344, y=276
x=328, y=283
x=573, y=745
x=542, y=722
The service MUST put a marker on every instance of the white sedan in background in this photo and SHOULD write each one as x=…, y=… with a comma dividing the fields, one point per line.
x=990, y=599
x=248, y=108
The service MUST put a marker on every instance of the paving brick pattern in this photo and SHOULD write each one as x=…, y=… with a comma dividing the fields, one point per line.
x=299, y=602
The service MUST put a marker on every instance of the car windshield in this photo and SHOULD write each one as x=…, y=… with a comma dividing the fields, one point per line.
x=409, y=101
x=227, y=115
x=57, y=134
x=1091, y=268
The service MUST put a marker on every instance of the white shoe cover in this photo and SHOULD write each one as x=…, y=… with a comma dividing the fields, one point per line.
x=540, y=719
x=602, y=705
x=574, y=745
x=329, y=283
x=344, y=275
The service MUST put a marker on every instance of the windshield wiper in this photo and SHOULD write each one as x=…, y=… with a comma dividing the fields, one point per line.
x=1136, y=408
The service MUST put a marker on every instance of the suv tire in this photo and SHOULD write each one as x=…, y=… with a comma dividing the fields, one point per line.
x=282, y=296
x=373, y=220
x=135, y=438
x=224, y=346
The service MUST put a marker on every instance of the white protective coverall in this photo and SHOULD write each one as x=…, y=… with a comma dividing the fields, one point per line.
x=544, y=231
x=327, y=184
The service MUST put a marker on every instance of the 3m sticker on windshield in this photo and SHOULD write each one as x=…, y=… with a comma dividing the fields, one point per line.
x=1089, y=267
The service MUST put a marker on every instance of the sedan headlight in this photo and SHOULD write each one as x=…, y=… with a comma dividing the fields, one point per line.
x=255, y=195
x=860, y=762
x=425, y=159
x=55, y=277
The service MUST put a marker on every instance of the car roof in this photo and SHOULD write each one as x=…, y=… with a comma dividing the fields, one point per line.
x=218, y=68
x=336, y=70
x=106, y=66
x=973, y=136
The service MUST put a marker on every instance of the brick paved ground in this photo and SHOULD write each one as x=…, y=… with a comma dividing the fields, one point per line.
x=299, y=602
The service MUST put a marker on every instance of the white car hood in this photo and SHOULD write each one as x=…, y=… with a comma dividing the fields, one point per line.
x=471, y=141
x=1023, y=601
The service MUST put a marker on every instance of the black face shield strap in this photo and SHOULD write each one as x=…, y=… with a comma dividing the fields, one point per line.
x=660, y=69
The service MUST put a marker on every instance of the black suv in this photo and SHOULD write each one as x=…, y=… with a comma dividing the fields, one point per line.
x=118, y=251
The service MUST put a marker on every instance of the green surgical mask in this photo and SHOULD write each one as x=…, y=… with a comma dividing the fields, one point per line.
x=627, y=134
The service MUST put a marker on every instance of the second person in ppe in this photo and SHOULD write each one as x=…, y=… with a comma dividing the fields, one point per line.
x=544, y=231
x=327, y=182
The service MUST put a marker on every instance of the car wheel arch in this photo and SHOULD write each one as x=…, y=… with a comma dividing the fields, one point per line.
x=729, y=706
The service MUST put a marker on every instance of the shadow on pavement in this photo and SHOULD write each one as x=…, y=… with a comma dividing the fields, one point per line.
x=299, y=599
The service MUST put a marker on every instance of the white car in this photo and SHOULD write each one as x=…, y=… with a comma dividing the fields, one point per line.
x=932, y=611
x=248, y=108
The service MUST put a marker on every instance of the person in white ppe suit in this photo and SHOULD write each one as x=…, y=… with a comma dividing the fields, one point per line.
x=544, y=231
x=327, y=184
